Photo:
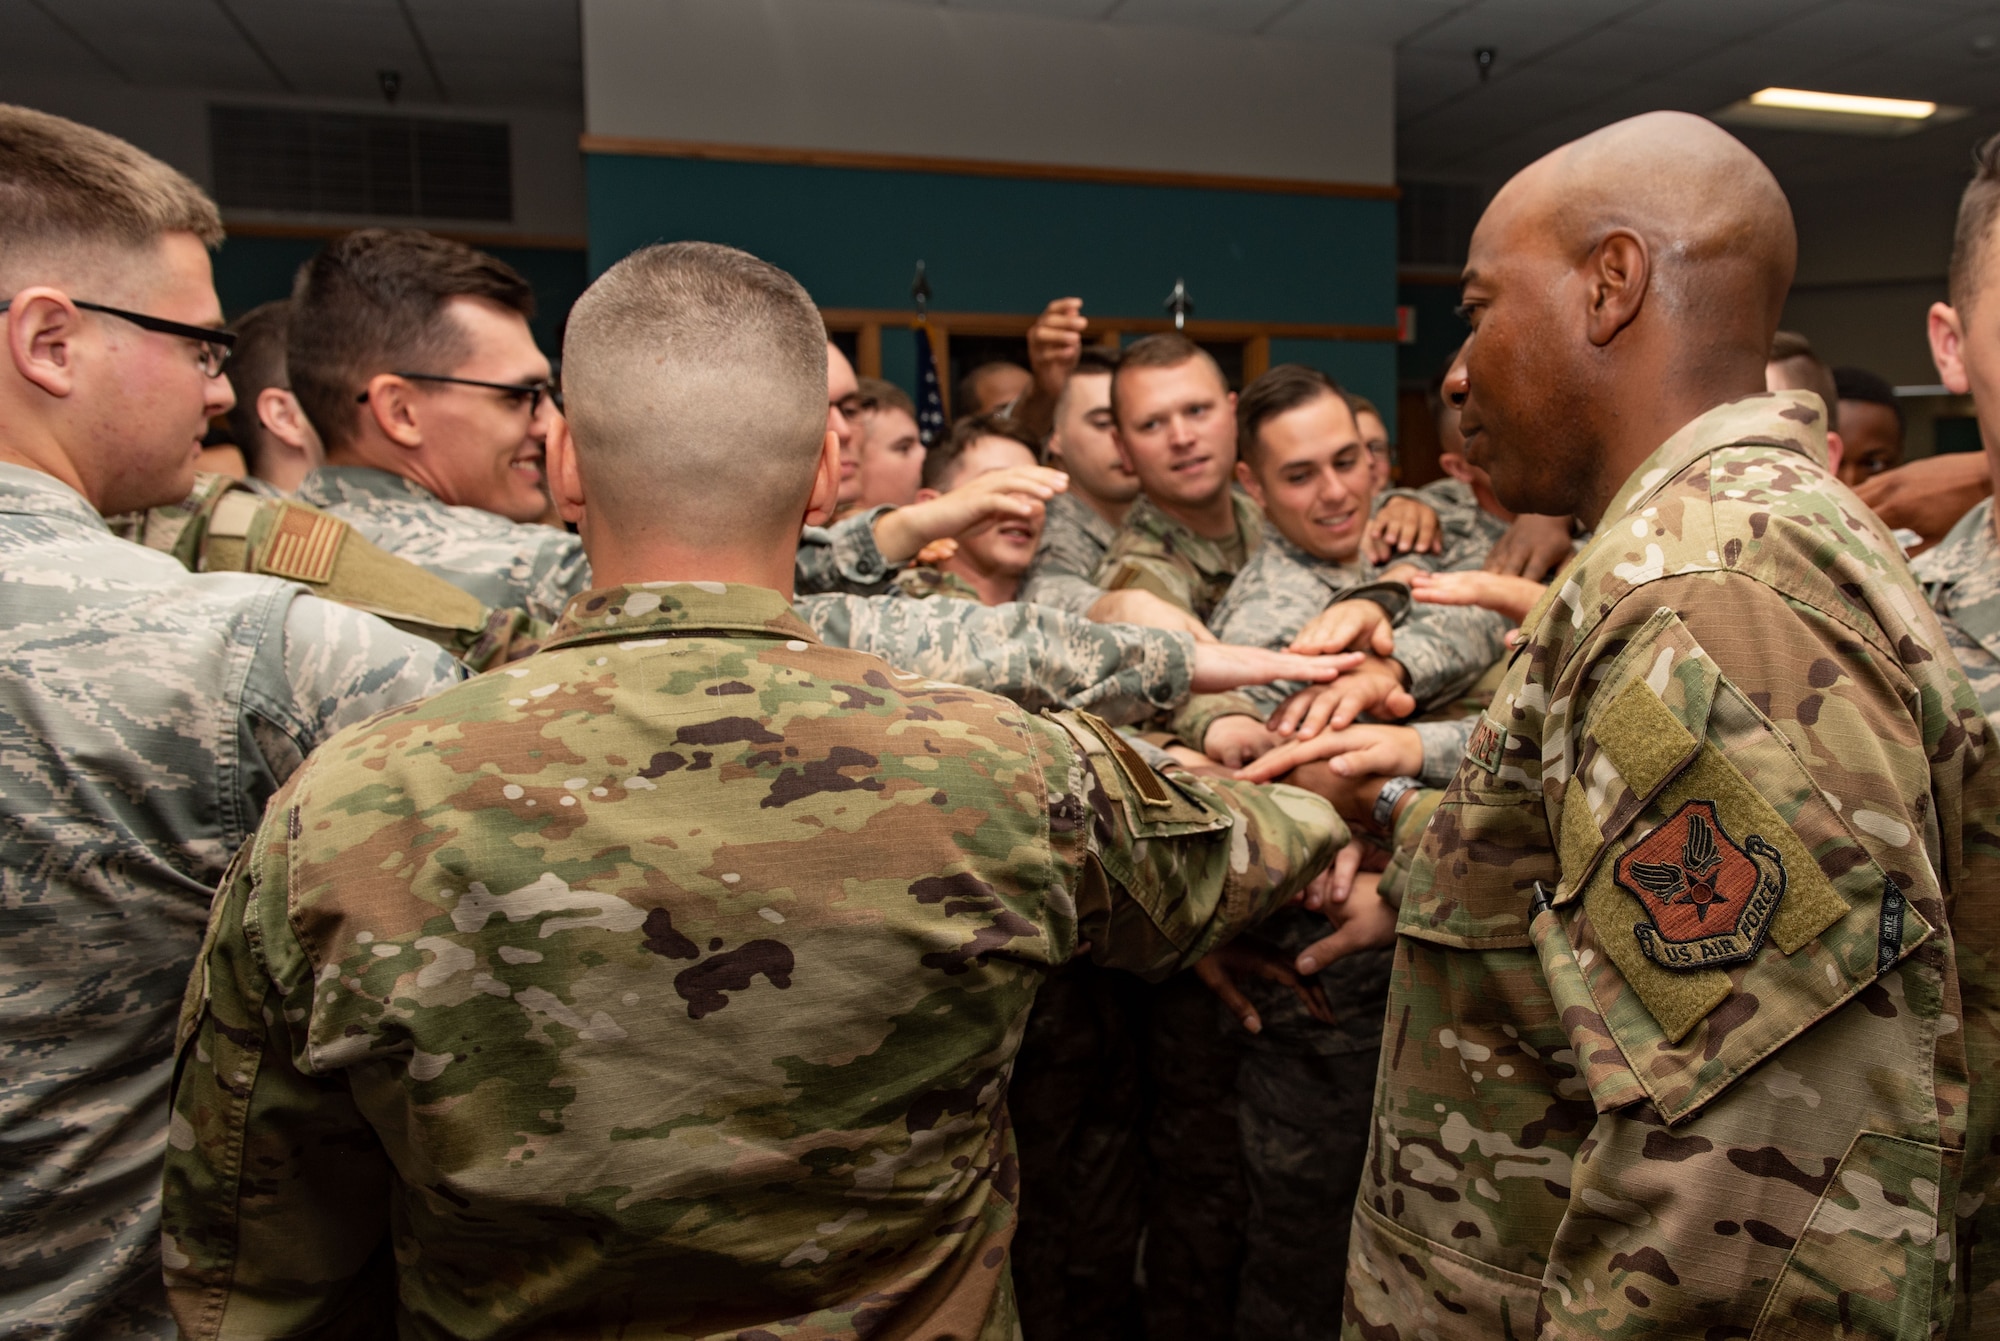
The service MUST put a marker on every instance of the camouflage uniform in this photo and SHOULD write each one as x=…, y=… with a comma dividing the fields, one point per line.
x=923, y=582
x=1691, y=1028
x=1466, y=530
x=1444, y=648
x=1304, y=1089
x=1155, y=553
x=667, y=982
x=1961, y=578
x=1075, y=540
x=513, y=565
x=146, y=714
x=224, y=526
x=1038, y=657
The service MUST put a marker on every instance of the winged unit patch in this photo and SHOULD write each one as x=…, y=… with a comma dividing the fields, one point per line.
x=1708, y=899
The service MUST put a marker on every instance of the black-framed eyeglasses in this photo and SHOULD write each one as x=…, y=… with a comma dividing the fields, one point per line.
x=534, y=391
x=213, y=346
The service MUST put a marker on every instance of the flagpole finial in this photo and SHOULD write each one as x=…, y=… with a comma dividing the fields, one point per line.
x=1179, y=304
x=920, y=292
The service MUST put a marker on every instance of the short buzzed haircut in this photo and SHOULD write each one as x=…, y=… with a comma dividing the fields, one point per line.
x=966, y=394
x=1807, y=371
x=1978, y=214
x=941, y=462
x=374, y=302
x=1859, y=384
x=1362, y=405
x=877, y=394
x=1279, y=391
x=1091, y=361
x=256, y=363
x=694, y=378
x=69, y=193
x=1169, y=349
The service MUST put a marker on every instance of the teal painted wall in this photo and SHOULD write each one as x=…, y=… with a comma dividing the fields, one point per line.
x=253, y=270
x=853, y=238
x=1440, y=331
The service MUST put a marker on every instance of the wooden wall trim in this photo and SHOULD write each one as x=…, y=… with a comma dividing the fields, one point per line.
x=1017, y=323
x=977, y=167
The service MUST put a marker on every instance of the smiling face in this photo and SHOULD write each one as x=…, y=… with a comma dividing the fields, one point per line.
x=1177, y=426
x=1002, y=548
x=1313, y=476
x=890, y=456
x=484, y=448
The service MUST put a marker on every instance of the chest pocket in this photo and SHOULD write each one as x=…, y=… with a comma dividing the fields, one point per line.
x=1695, y=914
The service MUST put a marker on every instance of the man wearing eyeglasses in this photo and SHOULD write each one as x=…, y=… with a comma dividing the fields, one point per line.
x=146, y=712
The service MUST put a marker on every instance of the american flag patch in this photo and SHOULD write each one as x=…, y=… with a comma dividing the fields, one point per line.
x=302, y=545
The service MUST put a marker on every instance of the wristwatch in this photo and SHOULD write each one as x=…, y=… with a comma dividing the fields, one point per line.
x=1385, y=801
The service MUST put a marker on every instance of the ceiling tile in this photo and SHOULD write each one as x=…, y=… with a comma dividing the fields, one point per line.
x=36, y=47
x=173, y=42
x=1048, y=9
x=1214, y=16
x=1384, y=22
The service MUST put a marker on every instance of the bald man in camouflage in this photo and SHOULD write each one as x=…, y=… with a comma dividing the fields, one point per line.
x=1691, y=1031
x=668, y=983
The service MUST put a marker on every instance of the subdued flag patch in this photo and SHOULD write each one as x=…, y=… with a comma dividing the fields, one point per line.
x=302, y=545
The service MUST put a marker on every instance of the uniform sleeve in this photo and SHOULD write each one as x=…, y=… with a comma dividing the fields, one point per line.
x=276, y=1199
x=842, y=557
x=1171, y=868
x=1147, y=572
x=1190, y=722
x=1066, y=592
x=560, y=571
x=1446, y=648
x=1039, y=657
x=1444, y=748
x=1749, y=939
x=343, y=665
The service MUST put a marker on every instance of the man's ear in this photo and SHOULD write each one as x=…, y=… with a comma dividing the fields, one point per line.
x=565, y=480
x=1455, y=465
x=1836, y=451
x=279, y=411
x=1947, y=334
x=393, y=403
x=1124, y=451
x=42, y=327
x=1617, y=273
x=1248, y=479
x=926, y=494
x=825, y=496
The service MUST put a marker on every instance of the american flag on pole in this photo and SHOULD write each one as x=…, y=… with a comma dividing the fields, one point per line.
x=930, y=396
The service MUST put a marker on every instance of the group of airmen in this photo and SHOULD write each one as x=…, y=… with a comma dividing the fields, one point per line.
x=670, y=856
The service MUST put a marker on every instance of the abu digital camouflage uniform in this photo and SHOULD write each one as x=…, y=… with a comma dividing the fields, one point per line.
x=1443, y=649
x=1691, y=1030
x=922, y=582
x=1467, y=532
x=1040, y=658
x=1305, y=1088
x=1076, y=537
x=1961, y=578
x=146, y=715
x=225, y=526
x=667, y=982
x=1155, y=553
x=512, y=565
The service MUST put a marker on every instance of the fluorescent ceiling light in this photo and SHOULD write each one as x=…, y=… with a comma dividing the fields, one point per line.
x=1847, y=104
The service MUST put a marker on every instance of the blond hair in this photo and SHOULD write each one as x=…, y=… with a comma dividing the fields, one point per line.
x=694, y=377
x=66, y=189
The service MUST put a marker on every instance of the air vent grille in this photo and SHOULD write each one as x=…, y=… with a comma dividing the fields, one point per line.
x=307, y=162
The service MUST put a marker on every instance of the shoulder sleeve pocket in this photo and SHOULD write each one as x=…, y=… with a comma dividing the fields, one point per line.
x=1713, y=902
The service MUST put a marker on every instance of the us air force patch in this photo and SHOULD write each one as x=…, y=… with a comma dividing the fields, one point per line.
x=1709, y=899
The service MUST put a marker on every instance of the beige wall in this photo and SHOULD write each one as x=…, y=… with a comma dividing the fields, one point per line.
x=888, y=76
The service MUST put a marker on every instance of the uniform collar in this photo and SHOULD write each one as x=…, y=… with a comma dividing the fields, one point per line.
x=1337, y=576
x=1793, y=421
x=1148, y=518
x=1089, y=519
x=333, y=484
x=27, y=491
x=668, y=609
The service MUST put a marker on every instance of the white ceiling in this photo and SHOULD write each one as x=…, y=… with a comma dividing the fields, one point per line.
x=1563, y=66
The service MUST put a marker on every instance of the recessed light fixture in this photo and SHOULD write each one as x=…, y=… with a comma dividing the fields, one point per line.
x=1836, y=113
x=1847, y=104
